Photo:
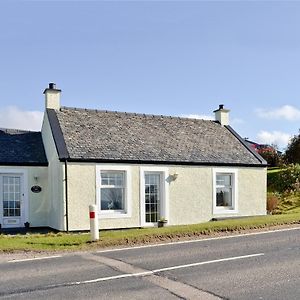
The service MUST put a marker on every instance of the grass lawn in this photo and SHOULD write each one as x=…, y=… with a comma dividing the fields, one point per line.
x=129, y=237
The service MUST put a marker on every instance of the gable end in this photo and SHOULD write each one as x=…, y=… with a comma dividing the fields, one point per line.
x=57, y=134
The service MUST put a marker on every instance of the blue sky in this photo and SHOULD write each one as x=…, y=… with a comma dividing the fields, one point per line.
x=178, y=58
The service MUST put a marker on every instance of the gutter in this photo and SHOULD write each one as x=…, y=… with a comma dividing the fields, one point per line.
x=149, y=162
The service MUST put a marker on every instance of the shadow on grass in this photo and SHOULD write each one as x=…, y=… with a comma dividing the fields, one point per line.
x=55, y=244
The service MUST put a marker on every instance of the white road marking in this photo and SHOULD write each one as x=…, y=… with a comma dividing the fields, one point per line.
x=206, y=262
x=140, y=274
x=147, y=273
x=35, y=258
x=198, y=240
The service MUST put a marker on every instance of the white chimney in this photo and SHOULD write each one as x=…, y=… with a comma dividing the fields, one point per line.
x=52, y=97
x=222, y=115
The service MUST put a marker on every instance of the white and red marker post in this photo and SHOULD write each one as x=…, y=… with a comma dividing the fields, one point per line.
x=94, y=223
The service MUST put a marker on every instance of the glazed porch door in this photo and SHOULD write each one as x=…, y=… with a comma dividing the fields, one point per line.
x=11, y=201
x=152, y=197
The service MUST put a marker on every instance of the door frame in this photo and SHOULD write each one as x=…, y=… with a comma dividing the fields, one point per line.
x=24, y=196
x=164, y=205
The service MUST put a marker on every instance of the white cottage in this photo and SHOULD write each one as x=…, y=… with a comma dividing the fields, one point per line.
x=137, y=168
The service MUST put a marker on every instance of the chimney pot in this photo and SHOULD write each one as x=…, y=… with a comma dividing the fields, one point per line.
x=52, y=86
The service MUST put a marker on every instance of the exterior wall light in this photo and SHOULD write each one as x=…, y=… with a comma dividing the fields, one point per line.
x=174, y=176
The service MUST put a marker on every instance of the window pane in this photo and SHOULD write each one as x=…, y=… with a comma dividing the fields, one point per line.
x=147, y=198
x=224, y=179
x=147, y=217
x=112, y=199
x=112, y=178
x=224, y=197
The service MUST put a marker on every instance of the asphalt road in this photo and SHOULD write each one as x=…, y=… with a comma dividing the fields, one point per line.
x=255, y=266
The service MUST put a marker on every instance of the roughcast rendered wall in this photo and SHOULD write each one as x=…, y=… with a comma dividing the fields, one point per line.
x=190, y=195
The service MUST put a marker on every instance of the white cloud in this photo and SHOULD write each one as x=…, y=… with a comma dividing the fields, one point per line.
x=14, y=117
x=286, y=112
x=202, y=117
x=281, y=139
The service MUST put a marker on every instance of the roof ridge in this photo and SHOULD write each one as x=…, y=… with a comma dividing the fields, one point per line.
x=133, y=113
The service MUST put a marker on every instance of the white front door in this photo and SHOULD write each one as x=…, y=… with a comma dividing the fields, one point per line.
x=11, y=200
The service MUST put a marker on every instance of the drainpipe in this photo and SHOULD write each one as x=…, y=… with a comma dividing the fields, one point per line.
x=66, y=195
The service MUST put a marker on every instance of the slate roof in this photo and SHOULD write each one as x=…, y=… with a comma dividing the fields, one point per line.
x=95, y=135
x=19, y=147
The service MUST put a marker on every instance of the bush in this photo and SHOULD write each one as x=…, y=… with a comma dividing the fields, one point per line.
x=272, y=203
x=286, y=180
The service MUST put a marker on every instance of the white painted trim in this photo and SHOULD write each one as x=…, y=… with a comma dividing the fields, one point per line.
x=24, y=186
x=220, y=211
x=128, y=196
x=165, y=193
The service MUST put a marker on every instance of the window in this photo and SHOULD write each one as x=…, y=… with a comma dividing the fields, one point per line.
x=113, y=183
x=225, y=191
x=112, y=190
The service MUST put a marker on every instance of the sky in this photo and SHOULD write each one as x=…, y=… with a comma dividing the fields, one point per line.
x=179, y=58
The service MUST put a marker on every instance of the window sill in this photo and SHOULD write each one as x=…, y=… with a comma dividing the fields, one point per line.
x=149, y=225
x=220, y=211
x=113, y=215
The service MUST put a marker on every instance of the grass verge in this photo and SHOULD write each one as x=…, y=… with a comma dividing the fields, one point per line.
x=129, y=237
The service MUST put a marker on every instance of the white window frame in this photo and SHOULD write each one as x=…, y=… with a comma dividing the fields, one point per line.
x=24, y=194
x=164, y=193
x=107, y=214
x=234, y=184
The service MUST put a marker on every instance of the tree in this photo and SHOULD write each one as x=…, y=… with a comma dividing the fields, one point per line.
x=270, y=154
x=292, y=153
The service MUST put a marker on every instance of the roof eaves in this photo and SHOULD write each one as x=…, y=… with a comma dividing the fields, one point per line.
x=186, y=163
x=58, y=137
x=25, y=164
